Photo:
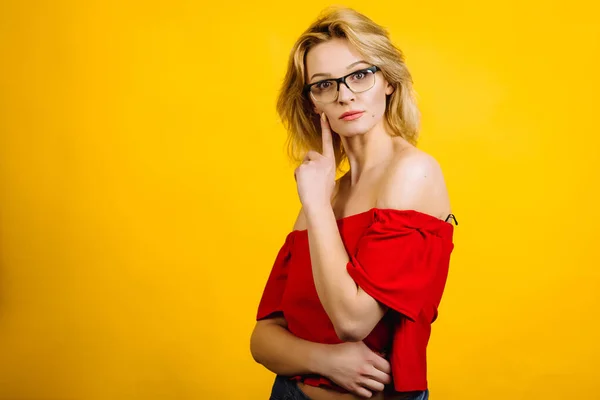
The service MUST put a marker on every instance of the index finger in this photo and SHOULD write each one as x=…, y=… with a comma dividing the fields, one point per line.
x=326, y=136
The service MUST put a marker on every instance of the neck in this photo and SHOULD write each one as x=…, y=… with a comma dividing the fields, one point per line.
x=368, y=150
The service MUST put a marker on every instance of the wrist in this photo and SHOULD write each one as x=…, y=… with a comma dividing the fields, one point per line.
x=317, y=212
x=319, y=356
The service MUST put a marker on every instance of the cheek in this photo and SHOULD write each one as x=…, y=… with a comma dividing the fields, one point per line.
x=377, y=105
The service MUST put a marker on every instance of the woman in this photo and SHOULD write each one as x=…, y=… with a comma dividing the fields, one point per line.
x=348, y=306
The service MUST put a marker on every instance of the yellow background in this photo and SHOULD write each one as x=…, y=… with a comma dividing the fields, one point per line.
x=145, y=191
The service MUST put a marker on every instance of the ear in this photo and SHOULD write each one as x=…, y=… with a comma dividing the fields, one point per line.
x=389, y=89
x=314, y=106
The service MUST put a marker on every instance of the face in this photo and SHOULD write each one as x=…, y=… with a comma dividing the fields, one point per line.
x=334, y=59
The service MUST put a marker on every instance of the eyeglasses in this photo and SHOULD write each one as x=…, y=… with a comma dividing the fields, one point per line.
x=326, y=91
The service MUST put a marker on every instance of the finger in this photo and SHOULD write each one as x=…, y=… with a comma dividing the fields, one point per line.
x=362, y=392
x=312, y=155
x=326, y=136
x=373, y=385
x=382, y=364
x=379, y=376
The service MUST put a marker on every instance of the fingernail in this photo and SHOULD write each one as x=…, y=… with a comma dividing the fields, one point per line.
x=323, y=116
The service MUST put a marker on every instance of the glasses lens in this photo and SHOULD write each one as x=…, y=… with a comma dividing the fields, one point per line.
x=361, y=81
x=324, y=91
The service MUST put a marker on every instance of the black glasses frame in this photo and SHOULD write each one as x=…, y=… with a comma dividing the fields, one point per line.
x=341, y=80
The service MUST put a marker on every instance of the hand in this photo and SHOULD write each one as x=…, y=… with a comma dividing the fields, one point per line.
x=315, y=177
x=355, y=367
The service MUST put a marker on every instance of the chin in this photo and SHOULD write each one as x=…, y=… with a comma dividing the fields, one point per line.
x=353, y=130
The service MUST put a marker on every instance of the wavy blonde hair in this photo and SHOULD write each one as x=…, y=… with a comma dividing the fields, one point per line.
x=372, y=41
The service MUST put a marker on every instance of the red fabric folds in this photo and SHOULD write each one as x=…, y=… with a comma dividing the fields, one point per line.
x=270, y=302
x=402, y=261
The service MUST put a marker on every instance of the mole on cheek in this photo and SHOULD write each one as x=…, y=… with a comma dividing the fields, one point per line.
x=373, y=115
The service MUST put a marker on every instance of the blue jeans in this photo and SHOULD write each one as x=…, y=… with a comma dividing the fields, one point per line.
x=286, y=389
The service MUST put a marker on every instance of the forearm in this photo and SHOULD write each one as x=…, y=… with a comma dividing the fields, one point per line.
x=336, y=289
x=352, y=311
x=283, y=353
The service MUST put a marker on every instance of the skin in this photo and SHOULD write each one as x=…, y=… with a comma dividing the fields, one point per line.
x=385, y=172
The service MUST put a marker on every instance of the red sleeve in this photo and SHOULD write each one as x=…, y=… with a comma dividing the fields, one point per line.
x=399, y=261
x=270, y=301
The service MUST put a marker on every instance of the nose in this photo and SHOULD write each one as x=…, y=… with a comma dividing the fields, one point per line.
x=345, y=94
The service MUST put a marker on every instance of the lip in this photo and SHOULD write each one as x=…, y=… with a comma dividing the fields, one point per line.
x=351, y=115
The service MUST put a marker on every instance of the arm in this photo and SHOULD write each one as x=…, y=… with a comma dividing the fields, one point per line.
x=353, y=366
x=283, y=353
x=352, y=311
x=413, y=184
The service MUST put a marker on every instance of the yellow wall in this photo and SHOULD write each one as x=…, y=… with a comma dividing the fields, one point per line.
x=144, y=192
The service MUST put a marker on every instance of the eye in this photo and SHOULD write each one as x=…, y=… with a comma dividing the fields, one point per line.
x=359, y=75
x=323, y=85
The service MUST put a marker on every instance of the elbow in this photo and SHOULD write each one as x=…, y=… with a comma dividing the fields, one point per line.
x=261, y=337
x=350, y=331
x=350, y=327
x=255, y=354
x=255, y=347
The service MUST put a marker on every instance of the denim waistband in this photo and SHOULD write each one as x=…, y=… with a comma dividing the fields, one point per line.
x=287, y=389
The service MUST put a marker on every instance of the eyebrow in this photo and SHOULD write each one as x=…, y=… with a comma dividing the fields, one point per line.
x=348, y=67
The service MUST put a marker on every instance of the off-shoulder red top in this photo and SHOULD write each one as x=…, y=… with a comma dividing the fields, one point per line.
x=400, y=258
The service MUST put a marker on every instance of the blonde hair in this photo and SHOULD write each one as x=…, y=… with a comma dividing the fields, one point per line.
x=373, y=43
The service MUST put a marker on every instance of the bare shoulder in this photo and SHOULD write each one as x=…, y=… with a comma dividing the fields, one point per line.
x=415, y=181
x=415, y=164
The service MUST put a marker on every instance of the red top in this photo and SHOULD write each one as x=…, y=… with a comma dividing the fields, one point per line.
x=400, y=258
